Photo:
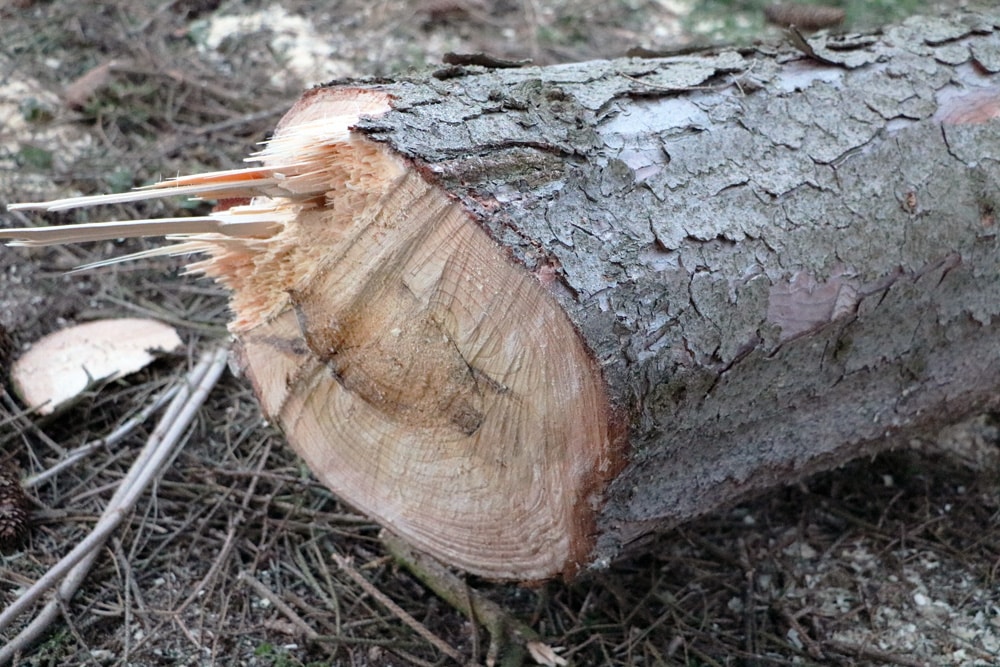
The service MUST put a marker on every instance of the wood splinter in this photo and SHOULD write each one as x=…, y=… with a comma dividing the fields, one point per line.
x=424, y=377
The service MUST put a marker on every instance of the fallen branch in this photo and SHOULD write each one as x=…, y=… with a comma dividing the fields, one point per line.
x=70, y=571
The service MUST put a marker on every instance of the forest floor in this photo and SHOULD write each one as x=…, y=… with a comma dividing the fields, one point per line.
x=891, y=561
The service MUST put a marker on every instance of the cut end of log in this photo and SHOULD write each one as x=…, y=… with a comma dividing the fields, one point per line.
x=423, y=376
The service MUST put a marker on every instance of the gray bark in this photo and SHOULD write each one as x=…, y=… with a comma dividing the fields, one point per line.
x=781, y=260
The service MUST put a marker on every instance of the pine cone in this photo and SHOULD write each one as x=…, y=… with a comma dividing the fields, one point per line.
x=13, y=509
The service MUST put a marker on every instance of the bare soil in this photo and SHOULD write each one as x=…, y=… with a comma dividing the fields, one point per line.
x=892, y=561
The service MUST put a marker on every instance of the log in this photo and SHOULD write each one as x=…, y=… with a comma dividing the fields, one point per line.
x=525, y=317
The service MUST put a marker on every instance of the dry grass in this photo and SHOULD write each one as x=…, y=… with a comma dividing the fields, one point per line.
x=232, y=558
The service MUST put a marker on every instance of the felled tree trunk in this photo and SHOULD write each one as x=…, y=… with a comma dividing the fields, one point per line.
x=525, y=317
x=779, y=261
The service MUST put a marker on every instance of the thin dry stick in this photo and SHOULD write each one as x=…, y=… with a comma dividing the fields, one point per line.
x=279, y=604
x=220, y=560
x=396, y=610
x=21, y=417
x=230, y=540
x=327, y=593
x=125, y=569
x=872, y=653
x=70, y=571
x=110, y=440
x=509, y=638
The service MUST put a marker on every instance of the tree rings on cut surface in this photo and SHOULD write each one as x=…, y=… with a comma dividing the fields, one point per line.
x=423, y=376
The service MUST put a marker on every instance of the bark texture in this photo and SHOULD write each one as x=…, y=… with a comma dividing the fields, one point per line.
x=781, y=258
x=525, y=317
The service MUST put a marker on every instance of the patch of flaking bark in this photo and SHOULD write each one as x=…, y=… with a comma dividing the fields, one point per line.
x=802, y=303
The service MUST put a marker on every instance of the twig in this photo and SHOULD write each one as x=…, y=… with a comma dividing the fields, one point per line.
x=126, y=573
x=230, y=541
x=279, y=604
x=328, y=594
x=343, y=640
x=217, y=565
x=70, y=571
x=509, y=637
x=872, y=653
x=110, y=440
x=813, y=648
x=20, y=416
x=198, y=136
x=398, y=611
x=412, y=659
